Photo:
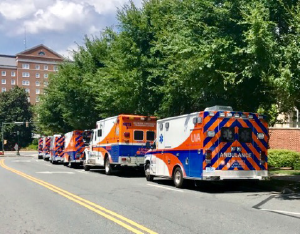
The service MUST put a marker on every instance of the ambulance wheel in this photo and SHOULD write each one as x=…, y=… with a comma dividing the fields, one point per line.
x=178, y=178
x=147, y=173
x=108, y=169
x=70, y=164
x=86, y=167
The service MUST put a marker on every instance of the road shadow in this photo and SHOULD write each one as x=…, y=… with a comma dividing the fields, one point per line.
x=231, y=186
x=124, y=173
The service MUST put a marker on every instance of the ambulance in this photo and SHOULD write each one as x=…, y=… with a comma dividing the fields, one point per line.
x=215, y=144
x=40, y=148
x=119, y=142
x=75, y=143
x=46, y=147
x=57, y=148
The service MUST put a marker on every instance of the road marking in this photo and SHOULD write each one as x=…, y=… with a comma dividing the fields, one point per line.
x=55, y=172
x=82, y=171
x=21, y=161
x=280, y=211
x=111, y=215
x=163, y=187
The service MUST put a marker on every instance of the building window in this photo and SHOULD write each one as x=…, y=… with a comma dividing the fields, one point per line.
x=13, y=82
x=27, y=90
x=37, y=75
x=45, y=75
x=42, y=53
x=3, y=73
x=37, y=67
x=28, y=99
x=37, y=99
x=25, y=66
x=46, y=83
x=25, y=82
x=25, y=74
x=3, y=90
x=37, y=83
x=3, y=81
x=13, y=74
x=37, y=91
x=55, y=68
x=45, y=67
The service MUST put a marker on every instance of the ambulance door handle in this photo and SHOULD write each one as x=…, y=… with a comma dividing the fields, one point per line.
x=169, y=161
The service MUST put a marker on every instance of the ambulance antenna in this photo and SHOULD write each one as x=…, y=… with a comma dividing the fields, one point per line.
x=25, y=35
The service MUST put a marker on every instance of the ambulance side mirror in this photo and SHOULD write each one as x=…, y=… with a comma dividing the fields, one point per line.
x=148, y=145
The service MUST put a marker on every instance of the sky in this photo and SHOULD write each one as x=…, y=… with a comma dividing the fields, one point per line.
x=58, y=24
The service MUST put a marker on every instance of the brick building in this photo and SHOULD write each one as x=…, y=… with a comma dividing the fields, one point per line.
x=29, y=69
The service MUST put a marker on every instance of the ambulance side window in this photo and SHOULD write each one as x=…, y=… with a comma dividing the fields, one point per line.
x=95, y=136
x=138, y=135
x=150, y=136
x=100, y=133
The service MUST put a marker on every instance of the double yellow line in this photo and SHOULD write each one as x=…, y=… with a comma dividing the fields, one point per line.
x=113, y=216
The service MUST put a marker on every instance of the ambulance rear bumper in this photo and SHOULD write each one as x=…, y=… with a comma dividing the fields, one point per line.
x=236, y=175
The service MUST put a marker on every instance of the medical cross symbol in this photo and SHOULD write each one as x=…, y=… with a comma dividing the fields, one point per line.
x=161, y=139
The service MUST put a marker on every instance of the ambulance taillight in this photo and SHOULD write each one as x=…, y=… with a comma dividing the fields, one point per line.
x=208, y=156
x=127, y=134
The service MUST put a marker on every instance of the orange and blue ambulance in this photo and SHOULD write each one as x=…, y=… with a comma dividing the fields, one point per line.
x=40, y=148
x=46, y=147
x=215, y=144
x=119, y=142
x=57, y=148
x=74, y=146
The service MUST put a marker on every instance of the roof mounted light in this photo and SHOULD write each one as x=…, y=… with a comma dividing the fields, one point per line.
x=244, y=116
x=229, y=114
x=250, y=116
x=260, y=117
x=211, y=133
x=222, y=114
x=219, y=108
x=211, y=113
x=236, y=115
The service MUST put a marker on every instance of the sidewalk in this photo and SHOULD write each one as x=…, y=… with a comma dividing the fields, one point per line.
x=22, y=154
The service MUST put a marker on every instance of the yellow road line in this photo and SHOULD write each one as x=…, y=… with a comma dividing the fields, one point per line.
x=89, y=205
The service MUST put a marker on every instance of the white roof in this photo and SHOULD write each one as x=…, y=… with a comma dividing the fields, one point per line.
x=8, y=61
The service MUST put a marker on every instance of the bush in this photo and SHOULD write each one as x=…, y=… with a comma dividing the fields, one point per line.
x=284, y=158
x=32, y=147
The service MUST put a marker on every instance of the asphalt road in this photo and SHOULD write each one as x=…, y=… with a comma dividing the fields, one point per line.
x=38, y=197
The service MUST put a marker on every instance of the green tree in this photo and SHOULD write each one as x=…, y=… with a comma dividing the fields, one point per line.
x=14, y=107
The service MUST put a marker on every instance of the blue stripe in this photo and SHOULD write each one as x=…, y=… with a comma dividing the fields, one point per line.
x=249, y=124
x=216, y=130
x=225, y=147
x=211, y=121
x=258, y=121
x=256, y=160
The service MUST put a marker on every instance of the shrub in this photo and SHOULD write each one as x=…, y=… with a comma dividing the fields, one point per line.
x=284, y=158
x=32, y=147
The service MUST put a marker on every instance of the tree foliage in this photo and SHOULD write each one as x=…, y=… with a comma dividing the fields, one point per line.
x=173, y=57
x=14, y=107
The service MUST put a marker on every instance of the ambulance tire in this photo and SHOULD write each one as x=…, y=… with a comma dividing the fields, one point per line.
x=70, y=164
x=86, y=167
x=147, y=173
x=107, y=166
x=178, y=178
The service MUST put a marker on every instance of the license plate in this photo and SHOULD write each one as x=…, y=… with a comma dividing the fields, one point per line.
x=209, y=169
